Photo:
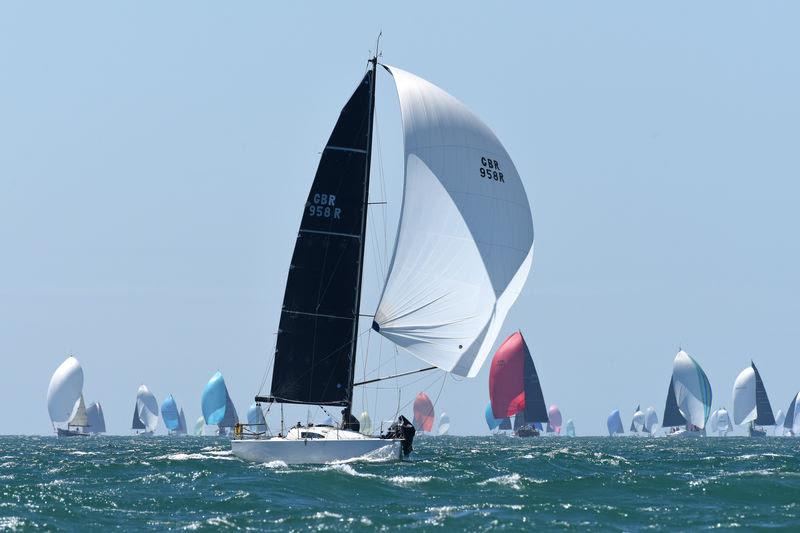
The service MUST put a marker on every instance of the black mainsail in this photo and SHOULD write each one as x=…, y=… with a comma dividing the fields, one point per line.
x=535, y=408
x=316, y=344
x=672, y=414
x=764, y=416
x=137, y=421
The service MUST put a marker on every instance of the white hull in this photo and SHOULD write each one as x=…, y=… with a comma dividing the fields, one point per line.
x=314, y=451
x=337, y=445
x=687, y=433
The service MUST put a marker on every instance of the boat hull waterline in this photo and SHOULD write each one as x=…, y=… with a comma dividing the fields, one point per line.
x=70, y=433
x=315, y=451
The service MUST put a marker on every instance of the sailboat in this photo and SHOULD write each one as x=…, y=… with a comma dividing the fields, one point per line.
x=170, y=415
x=145, y=412
x=514, y=387
x=463, y=251
x=650, y=421
x=614, y=424
x=791, y=424
x=218, y=408
x=780, y=418
x=750, y=402
x=688, y=398
x=182, y=429
x=500, y=424
x=719, y=423
x=637, y=422
x=423, y=413
x=96, y=419
x=570, y=431
x=554, y=420
x=199, y=427
x=256, y=421
x=444, y=424
x=365, y=423
x=65, y=399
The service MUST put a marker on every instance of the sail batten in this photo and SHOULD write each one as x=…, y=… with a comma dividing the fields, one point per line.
x=464, y=245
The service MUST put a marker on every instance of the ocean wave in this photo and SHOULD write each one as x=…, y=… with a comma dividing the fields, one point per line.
x=181, y=456
x=508, y=480
x=346, y=469
x=409, y=480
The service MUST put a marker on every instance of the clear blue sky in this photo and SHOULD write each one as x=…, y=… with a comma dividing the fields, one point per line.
x=155, y=158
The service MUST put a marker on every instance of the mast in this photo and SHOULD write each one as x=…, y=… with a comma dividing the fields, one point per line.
x=347, y=412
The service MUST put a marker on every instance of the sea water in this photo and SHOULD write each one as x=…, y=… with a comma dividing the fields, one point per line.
x=464, y=483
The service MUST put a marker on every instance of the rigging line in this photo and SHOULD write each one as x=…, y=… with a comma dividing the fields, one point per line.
x=423, y=388
x=268, y=367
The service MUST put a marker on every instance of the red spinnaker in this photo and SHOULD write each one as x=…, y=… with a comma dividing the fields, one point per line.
x=423, y=413
x=554, y=418
x=506, y=377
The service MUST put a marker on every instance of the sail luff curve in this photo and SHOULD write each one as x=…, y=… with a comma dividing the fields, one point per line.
x=464, y=244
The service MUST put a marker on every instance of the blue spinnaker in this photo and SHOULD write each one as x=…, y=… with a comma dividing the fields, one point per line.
x=169, y=412
x=214, y=400
x=491, y=421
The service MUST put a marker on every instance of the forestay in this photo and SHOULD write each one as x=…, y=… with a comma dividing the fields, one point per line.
x=464, y=245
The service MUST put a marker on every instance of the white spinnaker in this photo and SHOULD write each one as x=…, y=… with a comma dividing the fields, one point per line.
x=464, y=245
x=744, y=397
x=713, y=422
x=692, y=390
x=97, y=422
x=723, y=420
x=148, y=408
x=64, y=390
x=780, y=417
x=796, y=421
x=444, y=424
x=638, y=420
x=651, y=419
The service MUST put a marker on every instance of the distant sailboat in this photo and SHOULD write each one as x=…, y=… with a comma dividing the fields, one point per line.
x=256, y=421
x=514, y=387
x=423, y=413
x=650, y=421
x=97, y=421
x=182, y=430
x=218, y=409
x=200, y=427
x=365, y=423
x=614, y=424
x=170, y=415
x=688, y=398
x=444, y=424
x=779, y=420
x=750, y=402
x=145, y=412
x=637, y=421
x=463, y=251
x=65, y=399
x=570, y=431
x=554, y=420
x=718, y=423
x=791, y=424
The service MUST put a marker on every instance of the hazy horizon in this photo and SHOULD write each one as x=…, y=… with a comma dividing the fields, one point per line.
x=154, y=165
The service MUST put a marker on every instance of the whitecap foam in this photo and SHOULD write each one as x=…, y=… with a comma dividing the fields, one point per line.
x=193, y=457
x=409, y=480
x=347, y=469
x=508, y=480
